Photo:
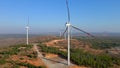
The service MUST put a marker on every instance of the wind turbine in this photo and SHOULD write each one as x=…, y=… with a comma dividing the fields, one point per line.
x=60, y=34
x=68, y=26
x=27, y=32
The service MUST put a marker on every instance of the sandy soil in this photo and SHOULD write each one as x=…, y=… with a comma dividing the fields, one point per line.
x=36, y=62
x=53, y=42
x=54, y=61
x=62, y=44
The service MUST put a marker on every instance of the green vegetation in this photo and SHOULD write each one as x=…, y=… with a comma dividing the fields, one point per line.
x=21, y=58
x=29, y=65
x=13, y=50
x=85, y=58
x=101, y=43
x=52, y=50
x=18, y=64
x=33, y=55
x=104, y=45
x=95, y=61
x=19, y=50
x=2, y=61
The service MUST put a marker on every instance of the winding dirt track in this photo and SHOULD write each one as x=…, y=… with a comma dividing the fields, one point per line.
x=51, y=43
x=56, y=62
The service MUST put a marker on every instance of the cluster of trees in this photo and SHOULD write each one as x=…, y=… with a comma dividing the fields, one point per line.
x=18, y=64
x=29, y=65
x=104, y=45
x=22, y=45
x=85, y=58
x=18, y=50
x=54, y=50
x=101, y=43
x=2, y=61
x=11, y=50
x=95, y=61
x=32, y=55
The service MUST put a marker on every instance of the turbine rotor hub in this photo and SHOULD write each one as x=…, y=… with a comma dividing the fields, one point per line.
x=68, y=24
x=27, y=27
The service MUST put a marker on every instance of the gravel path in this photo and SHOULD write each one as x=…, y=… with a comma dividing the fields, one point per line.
x=57, y=62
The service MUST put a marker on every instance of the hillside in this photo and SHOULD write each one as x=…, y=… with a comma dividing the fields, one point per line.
x=20, y=56
x=83, y=54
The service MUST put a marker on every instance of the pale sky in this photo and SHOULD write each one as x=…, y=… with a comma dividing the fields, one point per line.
x=51, y=15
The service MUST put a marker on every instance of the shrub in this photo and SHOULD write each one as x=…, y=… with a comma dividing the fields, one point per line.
x=85, y=58
x=29, y=65
x=21, y=58
x=2, y=61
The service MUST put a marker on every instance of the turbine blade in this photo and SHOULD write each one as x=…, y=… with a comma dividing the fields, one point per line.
x=64, y=32
x=28, y=21
x=68, y=11
x=83, y=31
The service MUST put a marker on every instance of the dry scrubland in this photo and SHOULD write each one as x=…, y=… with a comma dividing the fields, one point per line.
x=85, y=53
x=15, y=54
x=20, y=56
x=13, y=41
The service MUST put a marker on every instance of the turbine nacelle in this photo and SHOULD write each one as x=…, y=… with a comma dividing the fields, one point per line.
x=27, y=27
x=68, y=24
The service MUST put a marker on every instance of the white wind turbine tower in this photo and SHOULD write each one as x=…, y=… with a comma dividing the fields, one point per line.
x=60, y=33
x=27, y=32
x=68, y=26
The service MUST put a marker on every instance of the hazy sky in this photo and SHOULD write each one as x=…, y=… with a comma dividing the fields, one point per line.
x=51, y=15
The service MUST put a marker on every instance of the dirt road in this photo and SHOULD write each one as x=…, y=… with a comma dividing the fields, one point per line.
x=52, y=63
x=56, y=62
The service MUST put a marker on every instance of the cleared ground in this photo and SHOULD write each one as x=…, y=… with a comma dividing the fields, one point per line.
x=53, y=61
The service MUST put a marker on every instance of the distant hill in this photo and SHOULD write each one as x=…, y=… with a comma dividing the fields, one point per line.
x=12, y=39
